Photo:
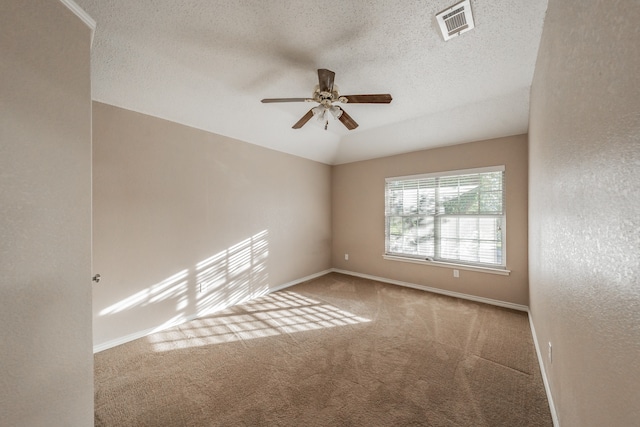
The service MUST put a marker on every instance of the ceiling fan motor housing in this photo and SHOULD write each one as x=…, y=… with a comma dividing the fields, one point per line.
x=327, y=98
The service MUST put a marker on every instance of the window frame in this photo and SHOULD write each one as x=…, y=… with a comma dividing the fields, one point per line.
x=444, y=262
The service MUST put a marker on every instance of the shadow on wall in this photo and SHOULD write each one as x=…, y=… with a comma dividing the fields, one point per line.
x=234, y=275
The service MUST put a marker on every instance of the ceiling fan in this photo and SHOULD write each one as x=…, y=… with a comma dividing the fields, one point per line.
x=326, y=94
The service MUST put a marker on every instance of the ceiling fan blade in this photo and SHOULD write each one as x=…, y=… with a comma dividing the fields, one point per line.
x=303, y=120
x=347, y=120
x=325, y=80
x=381, y=98
x=269, y=100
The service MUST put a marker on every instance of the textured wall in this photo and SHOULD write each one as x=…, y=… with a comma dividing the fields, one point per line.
x=186, y=221
x=584, y=210
x=46, y=363
x=358, y=217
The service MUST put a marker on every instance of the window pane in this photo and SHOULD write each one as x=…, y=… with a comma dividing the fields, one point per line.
x=471, y=239
x=449, y=228
x=448, y=195
x=489, y=253
x=410, y=233
x=488, y=228
x=469, y=250
x=449, y=249
x=425, y=237
x=491, y=202
x=410, y=197
x=449, y=218
x=395, y=244
x=468, y=202
x=468, y=228
x=394, y=198
x=395, y=225
x=427, y=200
x=492, y=181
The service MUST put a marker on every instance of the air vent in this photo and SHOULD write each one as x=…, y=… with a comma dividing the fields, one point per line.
x=455, y=20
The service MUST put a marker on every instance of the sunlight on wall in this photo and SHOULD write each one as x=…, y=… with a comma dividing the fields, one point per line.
x=279, y=313
x=231, y=276
x=170, y=287
x=234, y=275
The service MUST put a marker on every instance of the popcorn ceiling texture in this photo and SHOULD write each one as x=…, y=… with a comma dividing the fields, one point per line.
x=207, y=64
x=584, y=210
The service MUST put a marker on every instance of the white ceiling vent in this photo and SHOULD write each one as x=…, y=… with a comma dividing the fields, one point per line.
x=455, y=20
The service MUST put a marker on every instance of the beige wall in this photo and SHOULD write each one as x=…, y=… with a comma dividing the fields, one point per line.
x=186, y=221
x=46, y=362
x=358, y=217
x=585, y=210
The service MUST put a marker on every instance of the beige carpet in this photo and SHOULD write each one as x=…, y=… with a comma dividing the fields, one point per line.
x=334, y=351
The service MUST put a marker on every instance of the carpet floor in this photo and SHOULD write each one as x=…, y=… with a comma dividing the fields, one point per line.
x=334, y=351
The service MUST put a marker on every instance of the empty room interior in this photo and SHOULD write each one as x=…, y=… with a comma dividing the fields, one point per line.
x=320, y=213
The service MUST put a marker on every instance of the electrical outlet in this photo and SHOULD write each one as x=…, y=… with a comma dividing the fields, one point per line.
x=550, y=353
x=456, y=273
x=346, y=257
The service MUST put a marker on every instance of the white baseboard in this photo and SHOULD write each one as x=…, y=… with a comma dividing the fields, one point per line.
x=303, y=279
x=543, y=372
x=499, y=303
x=141, y=334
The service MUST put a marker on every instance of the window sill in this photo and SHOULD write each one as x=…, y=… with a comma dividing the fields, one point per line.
x=489, y=270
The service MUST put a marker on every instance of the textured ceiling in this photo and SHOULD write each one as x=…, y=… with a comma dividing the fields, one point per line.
x=208, y=63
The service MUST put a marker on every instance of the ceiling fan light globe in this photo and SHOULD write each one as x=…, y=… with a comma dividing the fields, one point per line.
x=319, y=112
x=336, y=112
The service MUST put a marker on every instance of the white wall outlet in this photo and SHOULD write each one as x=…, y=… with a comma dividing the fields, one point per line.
x=346, y=257
x=550, y=353
x=456, y=273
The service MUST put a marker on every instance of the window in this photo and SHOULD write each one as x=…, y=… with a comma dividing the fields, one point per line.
x=455, y=217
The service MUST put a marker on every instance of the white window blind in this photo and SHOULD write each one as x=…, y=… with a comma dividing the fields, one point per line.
x=455, y=216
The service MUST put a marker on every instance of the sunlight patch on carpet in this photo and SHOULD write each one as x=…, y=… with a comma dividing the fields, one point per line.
x=278, y=313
